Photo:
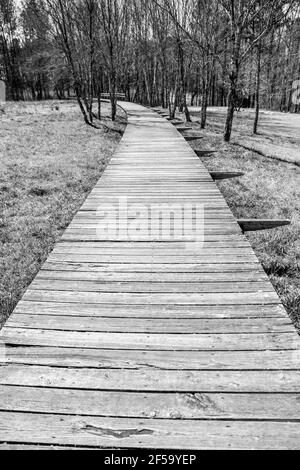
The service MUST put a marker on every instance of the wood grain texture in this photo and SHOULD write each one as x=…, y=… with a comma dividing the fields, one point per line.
x=150, y=342
x=123, y=432
x=146, y=379
x=145, y=359
x=172, y=406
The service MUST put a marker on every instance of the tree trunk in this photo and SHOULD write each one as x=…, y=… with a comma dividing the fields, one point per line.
x=257, y=95
x=230, y=109
x=99, y=105
x=113, y=97
x=204, y=101
x=186, y=111
x=173, y=105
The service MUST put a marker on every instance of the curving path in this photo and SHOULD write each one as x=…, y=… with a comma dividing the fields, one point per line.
x=155, y=342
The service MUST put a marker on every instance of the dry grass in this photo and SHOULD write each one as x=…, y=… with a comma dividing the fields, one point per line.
x=278, y=133
x=270, y=188
x=49, y=162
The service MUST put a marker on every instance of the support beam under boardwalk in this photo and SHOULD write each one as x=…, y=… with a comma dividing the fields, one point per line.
x=255, y=225
x=225, y=175
x=151, y=340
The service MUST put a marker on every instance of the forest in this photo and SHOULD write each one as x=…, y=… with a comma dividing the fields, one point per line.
x=169, y=53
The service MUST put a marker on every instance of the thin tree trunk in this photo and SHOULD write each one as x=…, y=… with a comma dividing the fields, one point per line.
x=205, y=95
x=113, y=97
x=257, y=95
x=230, y=110
x=174, y=105
x=186, y=111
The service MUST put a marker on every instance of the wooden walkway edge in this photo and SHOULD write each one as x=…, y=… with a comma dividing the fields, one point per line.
x=150, y=343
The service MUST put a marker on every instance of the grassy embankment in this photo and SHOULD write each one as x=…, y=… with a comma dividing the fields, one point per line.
x=270, y=188
x=49, y=162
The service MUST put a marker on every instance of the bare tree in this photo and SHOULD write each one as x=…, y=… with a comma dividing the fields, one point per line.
x=222, y=52
x=241, y=15
x=115, y=21
x=10, y=49
x=73, y=27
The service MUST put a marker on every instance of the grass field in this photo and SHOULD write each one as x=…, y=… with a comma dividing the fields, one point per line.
x=270, y=188
x=49, y=162
x=278, y=133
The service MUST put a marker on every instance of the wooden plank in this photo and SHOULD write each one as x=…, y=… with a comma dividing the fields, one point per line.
x=191, y=138
x=247, y=298
x=65, y=265
x=185, y=259
x=184, y=129
x=148, y=287
x=22, y=447
x=98, y=233
x=173, y=406
x=150, y=434
x=149, y=380
x=69, y=323
x=92, y=236
x=155, y=342
x=254, y=225
x=234, y=243
x=151, y=311
x=161, y=278
x=205, y=153
x=145, y=359
x=225, y=175
x=134, y=250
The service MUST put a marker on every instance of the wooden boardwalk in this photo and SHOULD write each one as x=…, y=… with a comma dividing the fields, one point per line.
x=147, y=344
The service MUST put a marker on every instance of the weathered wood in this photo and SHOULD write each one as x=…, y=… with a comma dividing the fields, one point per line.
x=205, y=153
x=93, y=266
x=155, y=343
x=160, y=278
x=23, y=447
x=152, y=311
x=101, y=432
x=184, y=129
x=191, y=138
x=173, y=406
x=148, y=287
x=145, y=359
x=225, y=175
x=2, y=93
x=98, y=324
x=152, y=380
x=213, y=298
x=138, y=258
x=254, y=225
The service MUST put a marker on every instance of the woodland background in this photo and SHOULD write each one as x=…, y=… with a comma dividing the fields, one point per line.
x=234, y=53
x=218, y=55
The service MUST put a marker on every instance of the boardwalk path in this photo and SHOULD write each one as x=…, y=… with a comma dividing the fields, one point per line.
x=148, y=344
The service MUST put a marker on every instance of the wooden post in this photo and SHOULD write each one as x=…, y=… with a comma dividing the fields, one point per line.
x=177, y=123
x=254, y=225
x=184, y=129
x=205, y=153
x=191, y=138
x=225, y=175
